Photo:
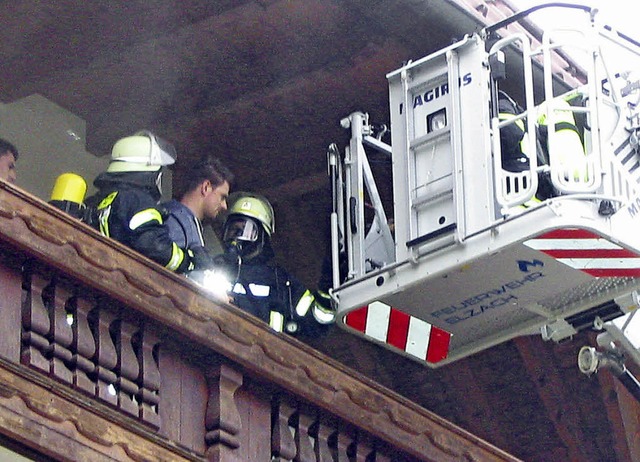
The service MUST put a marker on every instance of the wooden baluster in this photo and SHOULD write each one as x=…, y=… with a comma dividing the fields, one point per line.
x=322, y=432
x=384, y=453
x=13, y=296
x=83, y=346
x=128, y=369
x=149, y=380
x=61, y=334
x=222, y=418
x=362, y=449
x=35, y=322
x=303, y=439
x=283, y=446
x=343, y=442
x=106, y=357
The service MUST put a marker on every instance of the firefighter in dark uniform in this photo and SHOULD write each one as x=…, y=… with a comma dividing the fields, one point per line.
x=259, y=285
x=125, y=206
x=514, y=148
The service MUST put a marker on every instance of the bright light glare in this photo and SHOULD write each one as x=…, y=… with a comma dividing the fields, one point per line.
x=217, y=284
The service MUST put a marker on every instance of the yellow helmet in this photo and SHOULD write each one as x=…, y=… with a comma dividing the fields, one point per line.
x=253, y=206
x=142, y=152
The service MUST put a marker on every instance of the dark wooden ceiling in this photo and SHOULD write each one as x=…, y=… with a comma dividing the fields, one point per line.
x=263, y=85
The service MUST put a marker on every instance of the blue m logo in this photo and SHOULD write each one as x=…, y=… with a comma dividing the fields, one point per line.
x=524, y=265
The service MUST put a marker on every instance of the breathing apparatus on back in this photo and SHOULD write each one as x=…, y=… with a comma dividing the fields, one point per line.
x=68, y=194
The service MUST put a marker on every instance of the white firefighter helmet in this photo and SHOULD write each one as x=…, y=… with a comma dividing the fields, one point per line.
x=141, y=152
x=253, y=206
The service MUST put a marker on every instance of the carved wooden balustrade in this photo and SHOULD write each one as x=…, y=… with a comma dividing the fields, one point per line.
x=106, y=356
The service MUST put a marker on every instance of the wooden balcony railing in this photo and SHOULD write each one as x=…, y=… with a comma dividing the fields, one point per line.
x=106, y=356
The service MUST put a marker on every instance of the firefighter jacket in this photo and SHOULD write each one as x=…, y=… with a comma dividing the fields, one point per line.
x=568, y=149
x=124, y=208
x=269, y=292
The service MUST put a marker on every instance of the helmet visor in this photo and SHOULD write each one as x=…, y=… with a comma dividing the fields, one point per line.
x=240, y=229
x=162, y=152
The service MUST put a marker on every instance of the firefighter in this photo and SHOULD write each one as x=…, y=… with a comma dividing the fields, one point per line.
x=514, y=147
x=8, y=159
x=259, y=285
x=125, y=206
x=568, y=146
x=513, y=142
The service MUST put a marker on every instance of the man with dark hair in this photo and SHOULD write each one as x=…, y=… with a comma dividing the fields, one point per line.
x=8, y=159
x=203, y=197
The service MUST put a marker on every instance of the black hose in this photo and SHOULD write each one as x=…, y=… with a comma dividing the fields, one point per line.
x=516, y=17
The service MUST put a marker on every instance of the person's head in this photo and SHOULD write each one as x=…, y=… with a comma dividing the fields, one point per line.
x=206, y=187
x=249, y=225
x=8, y=159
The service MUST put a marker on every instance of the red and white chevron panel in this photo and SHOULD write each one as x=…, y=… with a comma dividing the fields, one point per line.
x=396, y=328
x=588, y=252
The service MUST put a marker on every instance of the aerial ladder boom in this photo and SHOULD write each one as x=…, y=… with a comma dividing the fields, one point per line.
x=477, y=255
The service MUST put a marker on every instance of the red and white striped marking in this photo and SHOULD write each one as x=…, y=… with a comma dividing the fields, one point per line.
x=396, y=328
x=588, y=252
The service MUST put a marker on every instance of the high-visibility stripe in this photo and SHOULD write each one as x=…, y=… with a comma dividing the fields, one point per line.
x=378, y=321
x=611, y=273
x=304, y=303
x=323, y=315
x=104, y=211
x=418, y=338
x=357, y=319
x=571, y=244
x=396, y=328
x=108, y=200
x=439, y=345
x=603, y=263
x=143, y=217
x=591, y=253
x=570, y=233
x=588, y=252
x=276, y=321
x=103, y=219
x=259, y=290
x=177, y=255
x=239, y=289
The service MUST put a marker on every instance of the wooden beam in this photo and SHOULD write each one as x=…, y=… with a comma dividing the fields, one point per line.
x=564, y=402
x=623, y=412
